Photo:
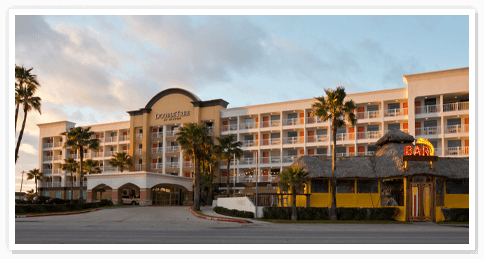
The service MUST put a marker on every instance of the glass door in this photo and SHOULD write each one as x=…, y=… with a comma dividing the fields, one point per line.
x=421, y=201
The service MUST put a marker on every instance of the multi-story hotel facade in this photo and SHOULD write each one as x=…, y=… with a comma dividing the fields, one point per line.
x=434, y=106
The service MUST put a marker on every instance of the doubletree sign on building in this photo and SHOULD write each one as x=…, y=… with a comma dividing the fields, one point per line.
x=171, y=116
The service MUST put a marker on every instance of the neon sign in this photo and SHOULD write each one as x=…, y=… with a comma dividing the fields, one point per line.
x=423, y=151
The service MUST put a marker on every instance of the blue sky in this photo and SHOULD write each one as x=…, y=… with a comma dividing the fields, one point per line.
x=95, y=68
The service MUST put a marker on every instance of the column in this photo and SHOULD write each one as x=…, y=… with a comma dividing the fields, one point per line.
x=115, y=197
x=442, y=125
x=180, y=163
x=164, y=149
x=382, y=116
x=88, y=195
x=145, y=196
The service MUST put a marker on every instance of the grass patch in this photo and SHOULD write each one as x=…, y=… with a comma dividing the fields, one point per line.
x=116, y=206
x=335, y=221
x=47, y=213
x=199, y=212
x=452, y=222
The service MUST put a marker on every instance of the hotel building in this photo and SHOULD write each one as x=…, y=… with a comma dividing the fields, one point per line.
x=434, y=106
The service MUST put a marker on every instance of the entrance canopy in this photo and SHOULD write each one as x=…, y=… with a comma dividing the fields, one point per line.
x=141, y=179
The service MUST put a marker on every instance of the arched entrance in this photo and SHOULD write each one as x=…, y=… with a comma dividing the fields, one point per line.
x=167, y=195
x=101, y=192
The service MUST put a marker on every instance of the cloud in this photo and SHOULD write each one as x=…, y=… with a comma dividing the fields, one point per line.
x=24, y=147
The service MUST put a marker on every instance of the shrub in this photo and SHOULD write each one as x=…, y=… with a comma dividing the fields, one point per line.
x=233, y=212
x=456, y=214
x=54, y=208
x=322, y=213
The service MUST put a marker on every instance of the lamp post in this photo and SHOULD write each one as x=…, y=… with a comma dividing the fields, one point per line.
x=22, y=182
x=256, y=180
x=234, y=175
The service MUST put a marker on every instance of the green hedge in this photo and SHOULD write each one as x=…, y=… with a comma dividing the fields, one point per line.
x=51, y=208
x=455, y=214
x=234, y=212
x=314, y=213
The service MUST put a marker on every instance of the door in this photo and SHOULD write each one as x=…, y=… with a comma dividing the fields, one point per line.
x=467, y=125
x=361, y=132
x=417, y=128
x=421, y=201
x=361, y=151
x=361, y=112
x=405, y=127
x=352, y=151
x=301, y=137
x=265, y=157
x=417, y=107
x=310, y=119
x=352, y=133
x=265, y=139
x=265, y=122
x=310, y=136
x=265, y=174
x=301, y=118
x=405, y=108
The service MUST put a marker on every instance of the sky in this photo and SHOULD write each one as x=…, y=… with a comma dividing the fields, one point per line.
x=92, y=69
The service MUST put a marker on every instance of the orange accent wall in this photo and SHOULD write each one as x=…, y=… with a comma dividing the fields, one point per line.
x=310, y=152
x=301, y=152
x=361, y=149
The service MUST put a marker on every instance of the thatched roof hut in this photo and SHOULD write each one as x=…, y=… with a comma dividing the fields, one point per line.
x=385, y=163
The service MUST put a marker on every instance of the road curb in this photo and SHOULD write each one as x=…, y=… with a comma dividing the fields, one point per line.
x=217, y=219
x=56, y=214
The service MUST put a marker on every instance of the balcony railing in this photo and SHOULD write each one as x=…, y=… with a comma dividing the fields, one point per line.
x=317, y=138
x=289, y=159
x=48, y=145
x=138, y=151
x=57, y=171
x=345, y=136
x=76, y=184
x=52, y=184
x=292, y=140
x=110, y=153
x=187, y=164
x=100, y=140
x=248, y=178
x=124, y=138
x=250, y=143
x=211, y=129
x=139, y=136
x=47, y=158
x=173, y=165
x=314, y=119
x=224, y=162
x=247, y=161
x=97, y=154
x=396, y=112
x=138, y=167
x=427, y=131
x=270, y=142
x=110, y=139
x=155, y=166
x=157, y=135
x=249, y=125
x=47, y=171
x=270, y=160
x=57, y=157
x=173, y=149
x=58, y=144
x=366, y=153
x=345, y=154
x=272, y=123
x=291, y=122
x=456, y=151
x=110, y=169
x=451, y=129
x=157, y=150
x=368, y=115
x=458, y=106
x=369, y=135
x=172, y=133
x=426, y=109
x=230, y=127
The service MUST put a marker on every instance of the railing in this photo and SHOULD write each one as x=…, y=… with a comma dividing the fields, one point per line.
x=317, y=138
x=289, y=159
x=138, y=151
x=232, y=162
x=250, y=143
x=48, y=145
x=292, y=140
x=450, y=129
x=270, y=142
x=404, y=130
x=173, y=149
x=156, y=134
x=368, y=115
x=110, y=169
x=251, y=178
x=272, y=123
x=58, y=157
x=249, y=125
x=139, y=136
x=369, y=135
x=172, y=133
x=157, y=150
x=75, y=184
x=266, y=200
x=366, y=153
x=58, y=171
x=124, y=138
x=456, y=151
x=437, y=152
x=138, y=167
x=270, y=160
x=230, y=127
x=396, y=112
x=314, y=119
x=247, y=161
x=427, y=131
x=87, y=156
x=100, y=140
x=155, y=166
x=426, y=109
x=210, y=129
x=290, y=122
x=345, y=136
x=345, y=154
x=58, y=144
x=173, y=165
x=458, y=106
x=97, y=154
x=47, y=171
x=47, y=158
x=110, y=139
x=75, y=156
x=110, y=153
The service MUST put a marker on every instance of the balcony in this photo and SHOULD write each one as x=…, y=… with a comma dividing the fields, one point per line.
x=427, y=109
x=110, y=139
x=232, y=162
x=48, y=145
x=109, y=153
x=345, y=136
x=346, y=154
x=97, y=154
x=51, y=184
x=187, y=164
x=47, y=171
x=157, y=150
x=369, y=135
x=292, y=140
x=58, y=157
x=249, y=125
x=427, y=131
x=138, y=167
x=272, y=123
x=58, y=144
x=289, y=159
x=250, y=143
x=138, y=151
x=211, y=129
x=292, y=122
x=138, y=136
x=47, y=158
x=368, y=115
x=270, y=160
x=173, y=149
x=271, y=142
x=248, y=178
x=317, y=138
x=366, y=153
x=396, y=112
x=247, y=161
x=173, y=165
x=453, y=129
x=458, y=106
x=314, y=119
x=76, y=184
x=100, y=140
x=172, y=133
x=110, y=169
x=155, y=166
x=157, y=135
x=231, y=127
x=124, y=138
x=57, y=171
x=456, y=151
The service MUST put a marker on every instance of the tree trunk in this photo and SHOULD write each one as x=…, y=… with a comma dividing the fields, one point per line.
x=36, y=189
x=72, y=190
x=16, y=116
x=196, y=194
x=332, y=211
x=81, y=184
x=228, y=177
x=20, y=136
x=294, y=214
x=210, y=193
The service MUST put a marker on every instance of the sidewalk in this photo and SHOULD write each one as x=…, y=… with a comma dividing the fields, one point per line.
x=207, y=210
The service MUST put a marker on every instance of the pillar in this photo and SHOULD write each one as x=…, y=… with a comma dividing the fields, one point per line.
x=115, y=197
x=145, y=196
x=88, y=195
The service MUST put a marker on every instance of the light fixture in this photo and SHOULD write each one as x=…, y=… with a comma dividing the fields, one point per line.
x=425, y=97
x=368, y=103
x=456, y=97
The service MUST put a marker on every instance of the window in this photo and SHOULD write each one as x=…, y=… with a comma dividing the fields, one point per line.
x=430, y=101
x=340, y=150
x=373, y=128
x=439, y=192
x=372, y=108
x=454, y=122
x=432, y=123
x=322, y=151
x=292, y=116
x=69, y=195
x=367, y=186
x=292, y=134
x=394, y=126
x=392, y=192
x=341, y=130
x=46, y=193
x=248, y=137
x=322, y=132
x=275, y=135
x=453, y=143
x=372, y=148
x=345, y=186
x=275, y=117
x=392, y=106
x=457, y=187
x=320, y=186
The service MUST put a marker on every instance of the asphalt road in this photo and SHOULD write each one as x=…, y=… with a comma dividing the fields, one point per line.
x=176, y=225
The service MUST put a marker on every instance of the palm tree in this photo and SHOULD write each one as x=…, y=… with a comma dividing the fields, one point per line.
x=191, y=138
x=29, y=194
x=101, y=190
x=122, y=160
x=334, y=109
x=90, y=166
x=212, y=161
x=79, y=139
x=227, y=148
x=35, y=174
x=71, y=166
x=23, y=78
x=29, y=101
x=294, y=178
